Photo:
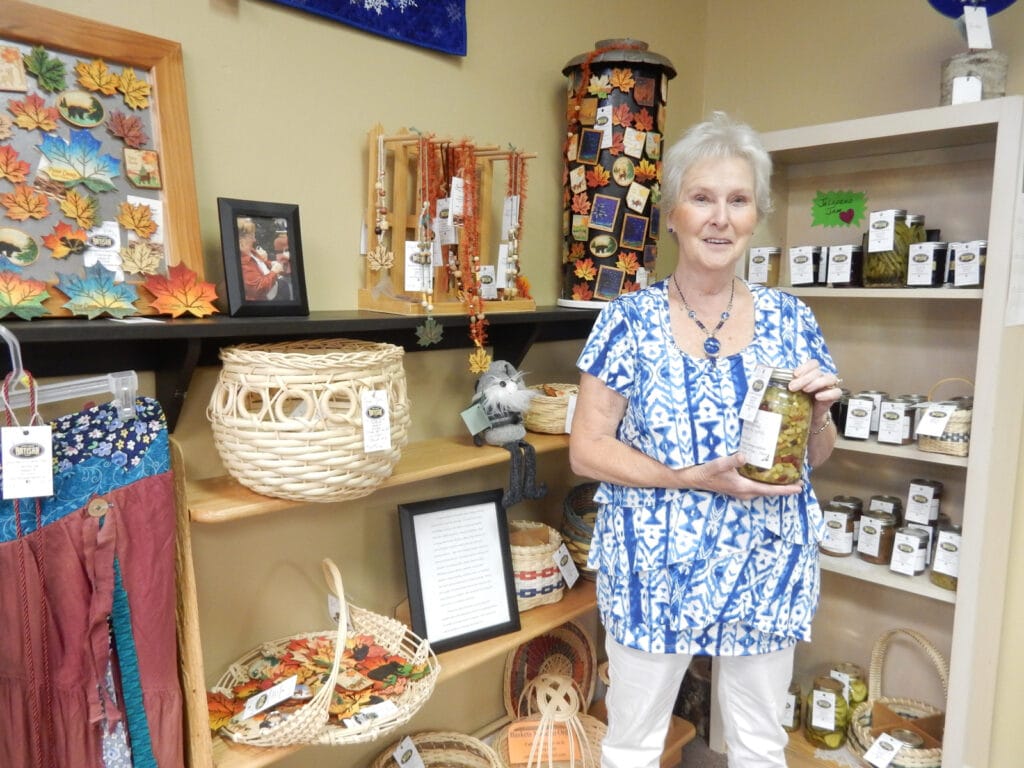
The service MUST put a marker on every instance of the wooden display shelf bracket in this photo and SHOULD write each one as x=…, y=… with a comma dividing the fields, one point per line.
x=384, y=292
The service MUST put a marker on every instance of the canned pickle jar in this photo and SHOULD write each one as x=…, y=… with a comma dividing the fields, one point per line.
x=826, y=713
x=775, y=442
x=877, y=536
x=855, y=686
x=888, y=246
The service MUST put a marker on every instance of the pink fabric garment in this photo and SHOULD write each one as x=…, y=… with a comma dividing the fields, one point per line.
x=68, y=570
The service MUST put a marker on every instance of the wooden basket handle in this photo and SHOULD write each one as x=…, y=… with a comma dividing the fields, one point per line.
x=940, y=382
x=878, y=660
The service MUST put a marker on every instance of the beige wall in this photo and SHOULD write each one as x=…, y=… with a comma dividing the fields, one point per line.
x=280, y=102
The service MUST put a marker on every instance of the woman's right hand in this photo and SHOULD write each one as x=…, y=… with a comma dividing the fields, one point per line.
x=720, y=476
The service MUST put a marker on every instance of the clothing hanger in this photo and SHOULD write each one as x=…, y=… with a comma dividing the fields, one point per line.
x=124, y=385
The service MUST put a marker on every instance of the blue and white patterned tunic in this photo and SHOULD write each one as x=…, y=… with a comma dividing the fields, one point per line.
x=691, y=571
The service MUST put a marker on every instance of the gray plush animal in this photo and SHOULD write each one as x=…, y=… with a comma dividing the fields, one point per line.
x=504, y=398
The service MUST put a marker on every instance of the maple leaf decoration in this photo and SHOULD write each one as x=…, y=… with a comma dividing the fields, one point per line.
x=581, y=203
x=80, y=208
x=622, y=79
x=618, y=144
x=78, y=161
x=97, y=294
x=137, y=218
x=380, y=258
x=222, y=708
x=141, y=258
x=598, y=177
x=96, y=76
x=12, y=167
x=599, y=86
x=643, y=120
x=584, y=269
x=627, y=262
x=21, y=296
x=479, y=361
x=128, y=128
x=135, y=91
x=431, y=332
x=622, y=115
x=32, y=113
x=65, y=240
x=646, y=170
x=582, y=292
x=181, y=292
x=49, y=71
x=24, y=203
x=576, y=251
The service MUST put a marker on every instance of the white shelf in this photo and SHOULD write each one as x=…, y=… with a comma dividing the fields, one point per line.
x=905, y=452
x=855, y=568
x=944, y=294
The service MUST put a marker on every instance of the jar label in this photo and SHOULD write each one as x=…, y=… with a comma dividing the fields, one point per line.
x=869, y=539
x=947, y=553
x=759, y=437
x=881, y=231
x=837, y=539
x=789, y=713
x=840, y=263
x=921, y=264
x=907, y=554
x=967, y=264
x=801, y=265
x=858, y=418
x=759, y=265
x=893, y=423
x=919, y=503
x=823, y=710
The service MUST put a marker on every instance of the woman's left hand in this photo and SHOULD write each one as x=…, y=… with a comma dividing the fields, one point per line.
x=823, y=386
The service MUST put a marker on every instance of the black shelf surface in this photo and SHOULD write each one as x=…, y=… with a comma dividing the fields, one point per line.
x=173, y=348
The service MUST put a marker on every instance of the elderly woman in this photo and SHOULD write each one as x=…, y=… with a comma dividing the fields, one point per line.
x=691, y=556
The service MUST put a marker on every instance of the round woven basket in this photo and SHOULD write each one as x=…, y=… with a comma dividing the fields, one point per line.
x=538, y=578
x=288, y=418
x=579, y=512
x=860, y=728
x=549, y=407
x=443, y=749
x=566, y=651
x=956, y=437
x=312, y=722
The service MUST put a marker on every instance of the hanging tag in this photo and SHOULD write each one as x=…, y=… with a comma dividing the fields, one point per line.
x=475, y=418
x=883, y=751
x=755, y=392
x=566, y=565
x=372, y=712
x=509, y=215
x=570, y=410
x=966, y=89
x=967, y=264
x=823, y=710
x=976, y=27
x=268, y=698
x=934, y=419
x=919, y=504
x=801, y=265
x=457, y=201
x=364, y=239
x=414, y=274
x=603, y=123
x=376, y=421
x=501, y=274
x=881, y=231
x=789, y=711
x=406, y=755
x=843, y=678
x=758, y=265
x=840, y=262
x=27, y=461
x=488, y=284
x=443, y=223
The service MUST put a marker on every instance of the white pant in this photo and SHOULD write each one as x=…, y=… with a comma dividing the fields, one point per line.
x=643, y=689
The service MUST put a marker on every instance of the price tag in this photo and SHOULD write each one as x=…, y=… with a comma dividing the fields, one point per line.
x=376, y=421
x=457, y=201
x=406, y=755
x=27, y=461
x=883, y=751
x=966, y=89
x=475, y=419
x=488, y=284
x=268, y=698
x=934, y=419
x=566, y=565
x=755, y=392
x=976, y=26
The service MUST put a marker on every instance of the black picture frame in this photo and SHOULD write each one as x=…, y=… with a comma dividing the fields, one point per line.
x=286, y=295
x=458, y=569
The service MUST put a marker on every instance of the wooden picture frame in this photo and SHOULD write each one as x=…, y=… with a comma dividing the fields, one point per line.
x=458, y=569
x=159, y=63
x=262, y=247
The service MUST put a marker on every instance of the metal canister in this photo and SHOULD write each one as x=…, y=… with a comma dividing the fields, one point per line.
x=909, y=551
x=877, y=535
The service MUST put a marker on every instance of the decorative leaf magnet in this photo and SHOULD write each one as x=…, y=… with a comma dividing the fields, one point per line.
x=24, y=202
x=80, y=208
x=128, y=128
x=141, y=258
x=78, y=161
x=20, y=296
x=598, y=176
x=12, y=167
x=137, y=218
x=584, y=269
x=135, y=91
x=623, y=79
x=97, y=294
x=622, y=115
x=646, y=170
x=65, y=240
x=479, y=361
x=96, y=76
x=181, y=293
x=49, y=71
x=643, y=120
x=32, y=113
x=599, y=86
x=627, y=262
x=582, y=292
x=431, y=332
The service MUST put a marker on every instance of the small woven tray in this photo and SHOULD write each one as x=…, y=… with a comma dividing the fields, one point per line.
x=444, y=749
x=549, y=407
x=956, y=438
x=902, y=712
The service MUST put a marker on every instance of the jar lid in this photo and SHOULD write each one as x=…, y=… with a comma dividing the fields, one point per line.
x=828, y=683
x=894, y=211
x=883, y=519
x=915, y=218
x=621, y=49
x=908, y=737
x=781, y=374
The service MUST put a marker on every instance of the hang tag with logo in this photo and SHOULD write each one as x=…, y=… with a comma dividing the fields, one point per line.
x=268, y=698
x=27, y=461
x=858, y=418
x=457, y=200
x=934, y=419
x=883, y=751
x=501, y=274
x=755, y=392
x=488, y=283
x=406, y=755
x=376, y=421
x=566, y=565
x=368, y=714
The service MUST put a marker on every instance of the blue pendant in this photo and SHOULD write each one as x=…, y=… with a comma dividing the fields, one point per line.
x=711, y=346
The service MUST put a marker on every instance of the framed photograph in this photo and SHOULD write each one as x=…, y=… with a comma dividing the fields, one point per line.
x=590, y=146
x=262, y=246
x=634, y=232
x=103, y=163
x=603, y=211
x=458, y=569
x=609, y=283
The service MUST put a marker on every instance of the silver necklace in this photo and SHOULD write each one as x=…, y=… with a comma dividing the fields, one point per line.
x=712, y=345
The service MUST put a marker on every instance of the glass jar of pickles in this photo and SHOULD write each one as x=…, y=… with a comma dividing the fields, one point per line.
x=775, y=442
x=793, y=710
x=855, y=687
x=888, y=247
x=826, y=713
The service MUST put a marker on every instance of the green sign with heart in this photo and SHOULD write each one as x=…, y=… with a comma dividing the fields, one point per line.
x=838, y=209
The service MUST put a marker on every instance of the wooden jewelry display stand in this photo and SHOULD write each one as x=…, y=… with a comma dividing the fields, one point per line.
x=383, y=289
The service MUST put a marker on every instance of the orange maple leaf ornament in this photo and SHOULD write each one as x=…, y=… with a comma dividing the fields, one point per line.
x=138, y=218
x=65, y=240
x=181, y=292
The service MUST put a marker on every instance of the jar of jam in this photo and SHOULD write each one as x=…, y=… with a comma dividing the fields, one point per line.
x=966, y=264
x=923, y=501
x=845, y=267
x=877, y=536
x=876, y=396
x=895, y=421
x=891, y=504
x=775, y=441
x=908, y=737
x=791, y=714
x=855, y=686
x=909, y=551
x=946, y=560
x=915, y=399
x=826, y=713
x=888, y=246
x=856, y=505
x=838, y=538
x=763, y=265
x=804, y=263
x=926, y=264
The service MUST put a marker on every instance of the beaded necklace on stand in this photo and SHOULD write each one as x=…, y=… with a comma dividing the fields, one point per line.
x=469, y=258
x=381, y=258
x=430, y=332
x=517, y=193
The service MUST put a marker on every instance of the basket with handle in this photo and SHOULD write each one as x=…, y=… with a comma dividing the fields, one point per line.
x=900, y=712
x=326, y=662
x=443, y=749
x=956, y=437
x=288, y=418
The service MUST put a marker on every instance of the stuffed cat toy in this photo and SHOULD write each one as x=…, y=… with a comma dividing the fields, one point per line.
x=504, y=398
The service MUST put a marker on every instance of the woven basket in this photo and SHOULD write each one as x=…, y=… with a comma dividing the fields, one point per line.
x=549, y=407
x=288, y=418
x=956, y=438
x=860, y=730
x=579, y=511
x=538, y=578
x=312, y=723
x=553, y=701
x=444, y=749
x=566, y=651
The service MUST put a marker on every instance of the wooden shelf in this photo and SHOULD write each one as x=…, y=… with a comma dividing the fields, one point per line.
x=905, y=452
x=973, y=294
x=802, y=754
x=222, y=499
x=855, y=568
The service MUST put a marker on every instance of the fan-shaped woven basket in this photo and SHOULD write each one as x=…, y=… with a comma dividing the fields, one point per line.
x=548, y=408
x=955, y=439
x=860, y=728
x=288, y=418
x=312, y=722
x=443, y=749
x=566, y=651
x=538, y=579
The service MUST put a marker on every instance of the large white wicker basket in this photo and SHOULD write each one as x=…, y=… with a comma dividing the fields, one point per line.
x=288, y=418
